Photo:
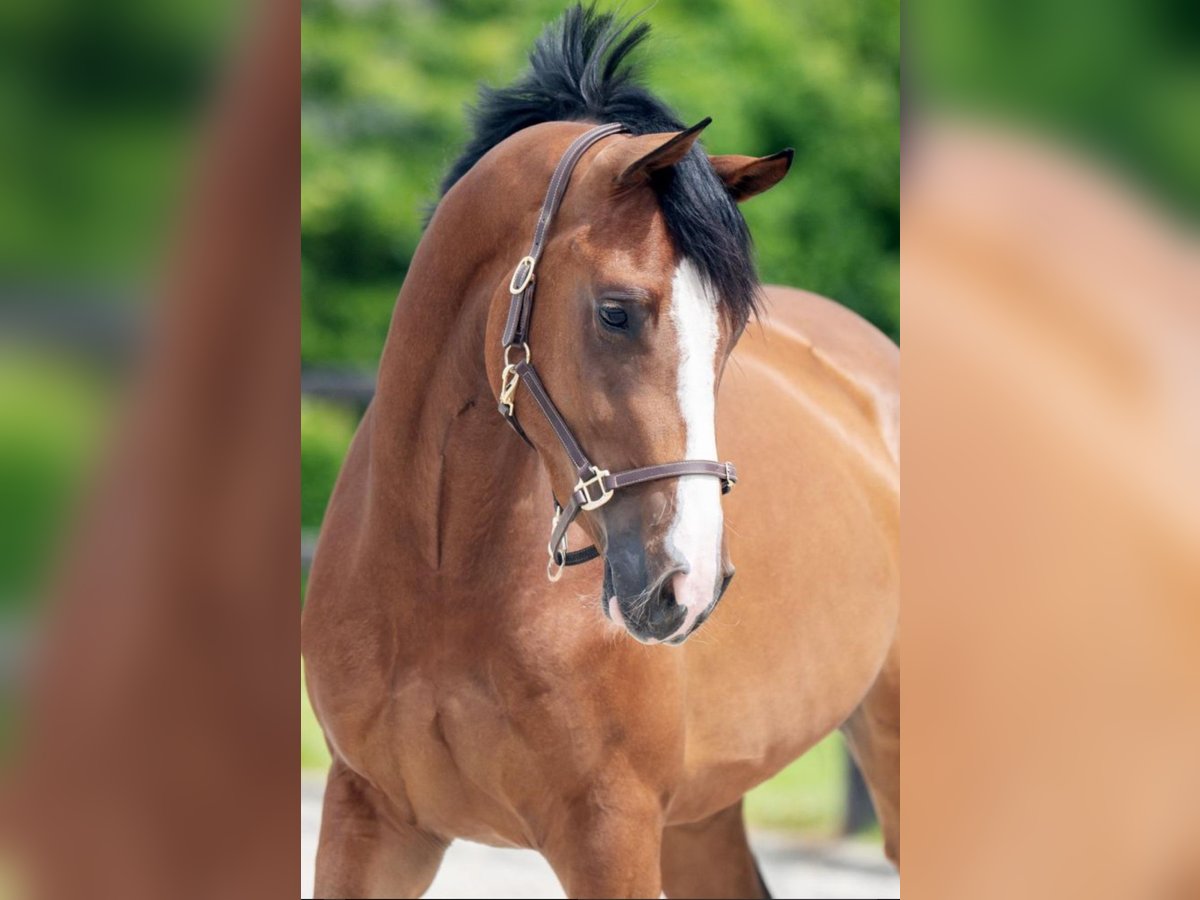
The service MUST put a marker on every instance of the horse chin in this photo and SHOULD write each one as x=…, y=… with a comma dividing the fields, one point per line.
x=679, y=638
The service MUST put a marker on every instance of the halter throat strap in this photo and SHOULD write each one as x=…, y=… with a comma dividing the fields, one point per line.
x=595, y=486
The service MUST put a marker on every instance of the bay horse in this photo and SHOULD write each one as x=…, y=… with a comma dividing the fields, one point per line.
x=612, y=716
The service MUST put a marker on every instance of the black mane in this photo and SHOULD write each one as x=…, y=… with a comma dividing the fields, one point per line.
x=579, y=72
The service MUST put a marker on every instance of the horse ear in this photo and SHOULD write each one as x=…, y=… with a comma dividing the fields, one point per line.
x=667, y=150
x=745, y=176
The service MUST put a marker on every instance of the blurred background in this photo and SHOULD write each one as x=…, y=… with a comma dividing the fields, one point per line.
x=384, y=91
x=100, y=108
x=1117, y=82
x=1051, y=383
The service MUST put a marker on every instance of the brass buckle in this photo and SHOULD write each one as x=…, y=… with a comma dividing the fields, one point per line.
x=524, y=272
x=554, y=568
x=597, y=480
x=509, y=379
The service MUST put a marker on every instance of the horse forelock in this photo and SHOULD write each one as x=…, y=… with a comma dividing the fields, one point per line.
x=581, y=70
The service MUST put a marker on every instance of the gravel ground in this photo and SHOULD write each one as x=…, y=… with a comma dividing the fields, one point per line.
x=791, y=868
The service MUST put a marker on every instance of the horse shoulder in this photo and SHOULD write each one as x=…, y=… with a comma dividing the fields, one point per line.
x=849, y=350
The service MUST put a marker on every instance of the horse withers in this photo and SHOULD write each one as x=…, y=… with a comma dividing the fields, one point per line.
x=614, y=718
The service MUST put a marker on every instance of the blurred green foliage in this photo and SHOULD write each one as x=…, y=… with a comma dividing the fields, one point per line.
x=385, y=84
x=51, y=415
x=314, y=754
x=325, y=433
x=806, y=796
x=98, y=102
x=1121, y=80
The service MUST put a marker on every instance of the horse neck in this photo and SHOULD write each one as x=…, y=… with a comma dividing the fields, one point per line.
x=446, y=471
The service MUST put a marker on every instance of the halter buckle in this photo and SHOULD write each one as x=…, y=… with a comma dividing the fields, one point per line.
x=596, y=481
x=522, y=275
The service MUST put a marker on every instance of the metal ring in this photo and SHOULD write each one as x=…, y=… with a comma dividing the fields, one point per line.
x=524, y=346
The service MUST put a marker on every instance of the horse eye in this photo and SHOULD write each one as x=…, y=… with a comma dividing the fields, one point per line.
x=614, y=316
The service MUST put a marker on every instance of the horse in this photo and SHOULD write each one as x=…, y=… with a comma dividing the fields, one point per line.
x=613, y=715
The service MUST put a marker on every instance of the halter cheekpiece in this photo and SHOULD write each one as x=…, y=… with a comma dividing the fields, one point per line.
x=595, y=486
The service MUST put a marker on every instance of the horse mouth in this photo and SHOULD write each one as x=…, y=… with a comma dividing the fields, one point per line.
x=680, y=638
x=703, y=617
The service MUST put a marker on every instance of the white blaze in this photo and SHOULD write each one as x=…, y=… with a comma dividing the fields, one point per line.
x=695, y=532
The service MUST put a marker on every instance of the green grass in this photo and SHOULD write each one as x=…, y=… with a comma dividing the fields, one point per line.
x=314, y=755
x=806, y=796
x=325, y=433
x=52, y=413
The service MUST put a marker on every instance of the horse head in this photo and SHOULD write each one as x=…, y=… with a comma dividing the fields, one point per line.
x=644, y=285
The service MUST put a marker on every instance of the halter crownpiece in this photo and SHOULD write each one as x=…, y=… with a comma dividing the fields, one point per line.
x=595, y=486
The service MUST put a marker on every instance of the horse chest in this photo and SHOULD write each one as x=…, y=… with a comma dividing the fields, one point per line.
x=493, y=752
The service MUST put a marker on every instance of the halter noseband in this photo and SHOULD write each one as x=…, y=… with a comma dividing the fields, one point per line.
x=595, y=486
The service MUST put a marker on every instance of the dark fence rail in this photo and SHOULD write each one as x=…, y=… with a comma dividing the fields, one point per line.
x=347, y=387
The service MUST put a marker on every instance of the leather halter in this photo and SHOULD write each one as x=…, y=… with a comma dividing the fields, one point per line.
x=595, y=486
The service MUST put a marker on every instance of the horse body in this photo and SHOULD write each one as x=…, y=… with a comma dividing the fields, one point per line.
x=808, y=408
x=462, y=694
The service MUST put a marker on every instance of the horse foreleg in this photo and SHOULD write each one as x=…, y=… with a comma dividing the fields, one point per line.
x=365, y=851
x=608, y=845
x=711, y=858
x=873, y=733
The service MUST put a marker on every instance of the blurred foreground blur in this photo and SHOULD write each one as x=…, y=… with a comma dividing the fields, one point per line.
x=1051, y=535
x=1051, y=384
x=148, y=467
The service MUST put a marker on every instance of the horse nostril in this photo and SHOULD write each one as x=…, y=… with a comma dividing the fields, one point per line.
x=663, y=615
x=666, y=591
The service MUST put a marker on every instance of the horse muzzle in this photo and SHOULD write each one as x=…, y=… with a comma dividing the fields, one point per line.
x=656, y=603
